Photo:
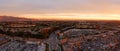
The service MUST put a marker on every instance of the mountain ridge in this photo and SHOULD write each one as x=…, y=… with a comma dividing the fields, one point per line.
x=13, y=18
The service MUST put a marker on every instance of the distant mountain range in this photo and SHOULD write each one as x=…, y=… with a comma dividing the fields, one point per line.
x=12, y=18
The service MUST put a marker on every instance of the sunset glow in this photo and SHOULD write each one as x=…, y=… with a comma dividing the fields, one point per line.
x=73, y=16
x=62, y=9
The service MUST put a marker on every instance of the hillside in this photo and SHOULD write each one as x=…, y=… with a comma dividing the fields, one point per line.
x=12, y=18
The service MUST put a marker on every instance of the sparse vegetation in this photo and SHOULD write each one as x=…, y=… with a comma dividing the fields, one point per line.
x=67, y=36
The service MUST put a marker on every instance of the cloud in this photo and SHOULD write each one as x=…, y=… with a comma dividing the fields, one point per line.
x=59, y=6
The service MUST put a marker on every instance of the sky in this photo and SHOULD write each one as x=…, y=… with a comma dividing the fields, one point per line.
x=62, y=9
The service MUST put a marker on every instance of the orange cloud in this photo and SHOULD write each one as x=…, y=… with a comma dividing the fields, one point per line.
x=74, y=16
